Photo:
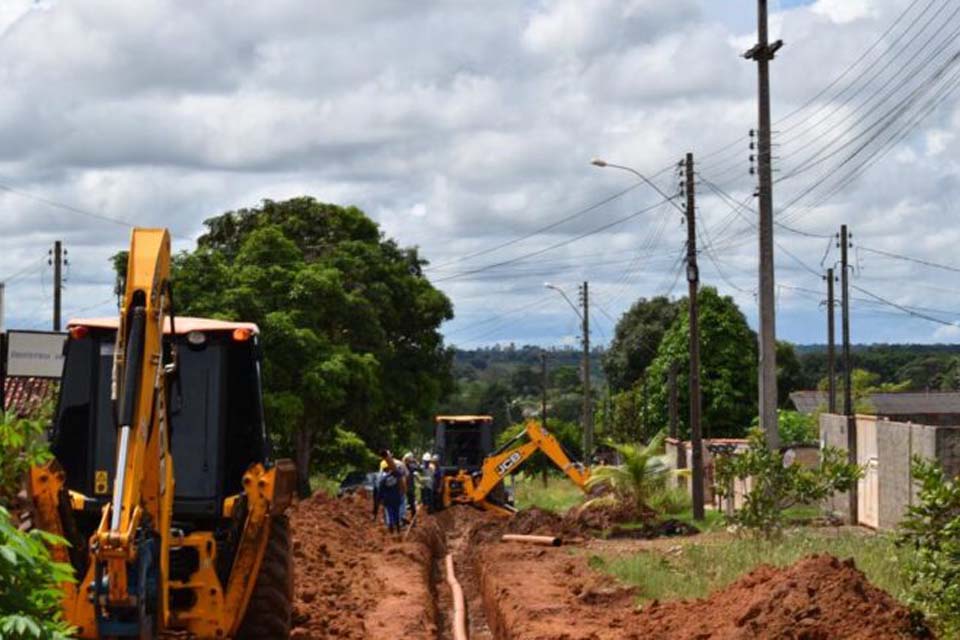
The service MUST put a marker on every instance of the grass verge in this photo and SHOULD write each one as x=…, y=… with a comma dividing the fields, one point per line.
x=558, y=495
x=696, y=569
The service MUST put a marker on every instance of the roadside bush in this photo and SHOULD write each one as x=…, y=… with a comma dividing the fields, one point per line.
x=22, y=445
x=932, y=529
x=637, y=481
x=30, y=585
x=778, y=486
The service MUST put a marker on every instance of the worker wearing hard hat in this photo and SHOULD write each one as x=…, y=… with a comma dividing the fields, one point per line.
x=391, y=487
x=410, y=465
x=425, y=480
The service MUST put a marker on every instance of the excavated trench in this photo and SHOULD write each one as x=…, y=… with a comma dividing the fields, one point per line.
x=353, y=581
x=455, y=525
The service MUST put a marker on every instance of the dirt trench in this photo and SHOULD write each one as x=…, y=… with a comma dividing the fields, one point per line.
x=354, y=581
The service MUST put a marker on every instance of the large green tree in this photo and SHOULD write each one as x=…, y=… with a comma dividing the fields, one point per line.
x=350, y=325
x=636, y=340
x=728, y=369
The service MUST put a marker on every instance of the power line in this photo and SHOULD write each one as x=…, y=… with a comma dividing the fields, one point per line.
x=903, y=308
x=922, y=261
x=556, y=245
x=544, y=229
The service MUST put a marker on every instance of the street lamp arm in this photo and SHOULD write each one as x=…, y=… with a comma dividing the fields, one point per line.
x=604, y=164
x=565, y=297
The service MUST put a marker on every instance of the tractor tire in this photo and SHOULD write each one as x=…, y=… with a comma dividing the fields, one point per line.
x=270, y=609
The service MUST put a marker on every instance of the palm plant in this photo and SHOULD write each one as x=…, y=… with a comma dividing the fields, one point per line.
x=642, y=473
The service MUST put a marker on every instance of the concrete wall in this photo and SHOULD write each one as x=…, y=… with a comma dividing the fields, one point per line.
x=833, y=433
x=896, y=444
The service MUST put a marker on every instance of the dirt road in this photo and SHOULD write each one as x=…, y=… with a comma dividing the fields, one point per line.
x=355, y=582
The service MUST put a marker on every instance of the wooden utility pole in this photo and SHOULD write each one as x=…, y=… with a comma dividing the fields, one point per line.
x=57, y=282
x=848, y=369
x=674, y=414
x=587, y=397
x=693, y=282
x=543, y=389
x=831, y=348
x=763, y=52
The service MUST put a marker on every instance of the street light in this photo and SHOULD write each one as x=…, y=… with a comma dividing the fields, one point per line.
x=603, y=164
x=565, y=297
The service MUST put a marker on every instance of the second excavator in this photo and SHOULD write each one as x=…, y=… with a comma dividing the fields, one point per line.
x=479, y=484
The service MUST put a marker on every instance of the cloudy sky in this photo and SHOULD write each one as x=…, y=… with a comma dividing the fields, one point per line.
x=467, y=128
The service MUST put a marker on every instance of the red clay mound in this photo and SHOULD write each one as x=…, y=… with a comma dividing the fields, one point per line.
x=818, y=598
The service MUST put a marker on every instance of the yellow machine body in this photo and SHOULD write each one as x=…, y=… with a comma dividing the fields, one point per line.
x=474, y=488
x=109, y=600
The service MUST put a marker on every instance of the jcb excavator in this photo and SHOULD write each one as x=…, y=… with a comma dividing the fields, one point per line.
x=475, y=486
x=163, y=482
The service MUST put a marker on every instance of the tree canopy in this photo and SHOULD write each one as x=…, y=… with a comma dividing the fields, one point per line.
x=636, y=340
x=350, y=326
x=728, y=369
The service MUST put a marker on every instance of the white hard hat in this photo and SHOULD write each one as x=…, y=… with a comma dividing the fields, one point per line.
x=426, y=457
x=408, y=456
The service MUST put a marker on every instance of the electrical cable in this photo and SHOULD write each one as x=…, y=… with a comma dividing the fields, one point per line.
x=553, y=246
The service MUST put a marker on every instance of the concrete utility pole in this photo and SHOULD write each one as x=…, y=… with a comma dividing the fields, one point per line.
x=693, y=282
x=831, y=348
x=674, y=413
x=763, y=52
x=543, y=389
x=57, y=282
x=587, y=397
x=3, y=287
x=848, y=369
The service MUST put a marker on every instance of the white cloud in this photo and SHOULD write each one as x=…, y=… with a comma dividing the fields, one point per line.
x=459, y=127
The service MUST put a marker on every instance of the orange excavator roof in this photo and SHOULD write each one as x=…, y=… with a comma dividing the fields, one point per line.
x=183, y=324
x=464, y=418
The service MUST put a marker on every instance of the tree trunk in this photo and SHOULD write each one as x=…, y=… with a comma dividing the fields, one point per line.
x=303, y=444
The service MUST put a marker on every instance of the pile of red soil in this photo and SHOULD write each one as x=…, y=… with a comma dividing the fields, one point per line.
x=818, y=598
x=352, y=580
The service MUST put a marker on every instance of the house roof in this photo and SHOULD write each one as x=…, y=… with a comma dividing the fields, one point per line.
x=25, y=396
x=901, y=403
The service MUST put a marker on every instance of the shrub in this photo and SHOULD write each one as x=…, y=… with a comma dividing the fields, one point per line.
x=22, y=445
x=30, y=585
x=641, y=476
x=932, y=529
x=778, y=486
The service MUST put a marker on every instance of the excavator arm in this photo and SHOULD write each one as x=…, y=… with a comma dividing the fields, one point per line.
x=476, y=488
x=130, y=548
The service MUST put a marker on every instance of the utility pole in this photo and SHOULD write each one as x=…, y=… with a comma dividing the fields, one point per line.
x=643, y=408
x=587, y=398
x=3, y=287
x=848, y=369
x=543, y=389
x=763, y=52
x=693, y=282
x=673, y=411
x=57, y=282
x=831, y=348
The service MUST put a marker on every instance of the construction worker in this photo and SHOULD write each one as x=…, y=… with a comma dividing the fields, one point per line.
x=437, y=483
x=391, y=487
x=410, y=463
x=426, y=482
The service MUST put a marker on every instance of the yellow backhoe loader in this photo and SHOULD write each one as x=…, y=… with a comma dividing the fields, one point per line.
x=162, y=479
x=477, y=485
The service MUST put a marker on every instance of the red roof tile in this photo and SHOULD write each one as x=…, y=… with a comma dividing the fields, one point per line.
x=25, y=396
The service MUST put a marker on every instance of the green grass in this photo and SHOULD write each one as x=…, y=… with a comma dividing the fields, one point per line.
x=696, y=569
x=559, y=495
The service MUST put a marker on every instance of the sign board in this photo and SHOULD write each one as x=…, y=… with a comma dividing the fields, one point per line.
x=35, y=354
